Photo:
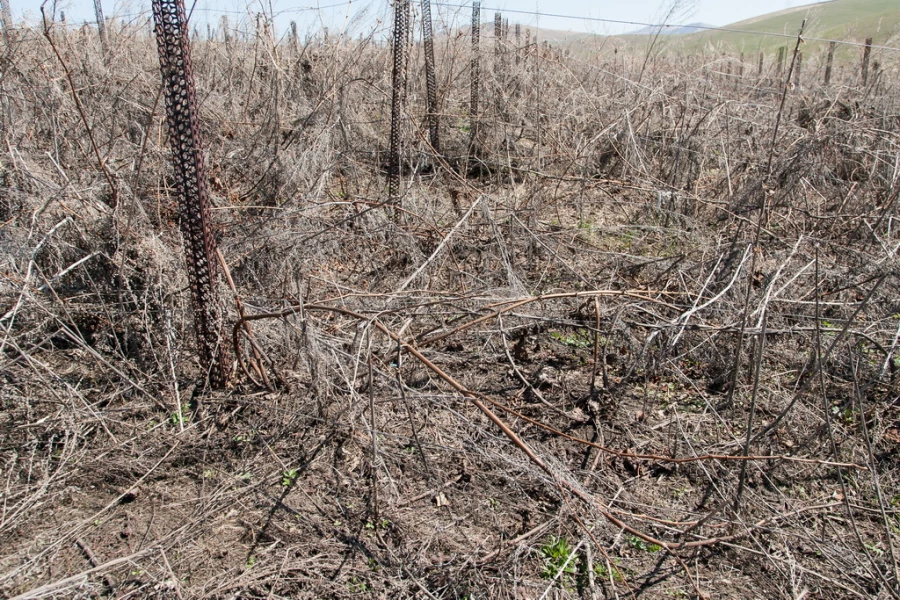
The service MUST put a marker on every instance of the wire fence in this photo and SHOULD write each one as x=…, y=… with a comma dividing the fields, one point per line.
x=455, y=19
x=499, y=72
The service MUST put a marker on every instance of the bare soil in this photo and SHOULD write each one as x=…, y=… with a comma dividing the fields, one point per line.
x=536, y=378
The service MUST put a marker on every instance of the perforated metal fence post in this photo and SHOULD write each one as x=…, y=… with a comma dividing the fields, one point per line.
x=101, y=26
x=398, y=82
x=759, y=71
x=499, y=66
x=867, y=52
x=829, y=62
x=797, y=68
x=474, y=74
x=190, y=183
x=430, y=79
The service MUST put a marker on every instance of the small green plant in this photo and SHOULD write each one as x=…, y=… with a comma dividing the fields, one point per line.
x=358, y=586
x=581, y=338
x=895, y=525
x=462, y=125
x=643, y=545
x=181, y=416
x=874, y=549
x=251, y=560
x=601, y=571
x=558, y=560
x=289, y=477
x=382, y=525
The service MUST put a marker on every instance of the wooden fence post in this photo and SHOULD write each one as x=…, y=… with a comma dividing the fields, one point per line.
x=518, y=37
x=779, y=73
x=101, y=27
x=867, y=52
x=6, y=15
x=829, y=63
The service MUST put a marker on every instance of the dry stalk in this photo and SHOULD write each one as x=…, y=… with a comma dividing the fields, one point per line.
x=113, y=199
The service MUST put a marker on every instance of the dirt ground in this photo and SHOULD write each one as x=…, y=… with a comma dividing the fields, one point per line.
x=644, y=353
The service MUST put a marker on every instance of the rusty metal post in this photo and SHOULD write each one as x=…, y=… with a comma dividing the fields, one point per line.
x=474, y=74
x=190, y=184
x=431, y=106
x=867, y=52
x=829, y=62
x=398, y=93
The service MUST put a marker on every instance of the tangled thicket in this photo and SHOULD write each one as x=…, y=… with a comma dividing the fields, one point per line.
x=629, y=274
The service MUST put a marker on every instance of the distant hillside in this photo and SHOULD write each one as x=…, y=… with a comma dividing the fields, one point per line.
x=672, y=30
x=845, y=20
x=851, y=20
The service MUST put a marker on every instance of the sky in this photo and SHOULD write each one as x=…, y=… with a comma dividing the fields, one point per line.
x=341, y=17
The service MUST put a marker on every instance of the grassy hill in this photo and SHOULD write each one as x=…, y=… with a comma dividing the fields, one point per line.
x=843, y=20
x=851, y=20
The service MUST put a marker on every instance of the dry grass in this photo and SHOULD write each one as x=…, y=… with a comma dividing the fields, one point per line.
x=619, y=213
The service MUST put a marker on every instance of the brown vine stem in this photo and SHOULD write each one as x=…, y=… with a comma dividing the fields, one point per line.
x=761, y=222
x=874, y=570
x=437, y=370
x=479, y=401
x=514, y=304
x=114, y=191
x=257, y=363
